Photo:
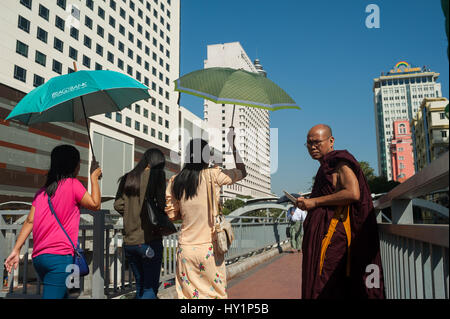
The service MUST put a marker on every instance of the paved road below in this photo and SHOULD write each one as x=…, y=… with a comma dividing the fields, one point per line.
x=278, y=278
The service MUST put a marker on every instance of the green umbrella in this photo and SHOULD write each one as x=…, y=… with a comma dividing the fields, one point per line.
x=235, y=86
x=78, y=95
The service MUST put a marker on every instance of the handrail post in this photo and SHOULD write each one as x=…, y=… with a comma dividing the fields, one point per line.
x=402, y=211
x=98, y=250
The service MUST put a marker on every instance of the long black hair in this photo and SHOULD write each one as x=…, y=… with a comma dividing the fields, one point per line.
x=131, y=181
x=197, y=159
x=64, y=160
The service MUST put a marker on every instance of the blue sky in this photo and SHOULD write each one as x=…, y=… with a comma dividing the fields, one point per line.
x=324, y=56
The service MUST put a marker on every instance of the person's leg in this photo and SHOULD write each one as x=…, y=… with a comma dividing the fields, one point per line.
x=134, y=257
x=52, y=272
x=152, y=270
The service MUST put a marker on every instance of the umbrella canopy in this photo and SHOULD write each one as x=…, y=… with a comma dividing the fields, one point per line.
x=71, y=97
x=232, y=86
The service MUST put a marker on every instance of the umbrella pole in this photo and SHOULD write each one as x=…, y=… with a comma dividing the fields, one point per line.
x=87, y=127
x=232, y=116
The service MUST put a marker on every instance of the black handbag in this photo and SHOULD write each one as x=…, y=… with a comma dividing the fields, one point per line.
x=160, y=223
x=78, y=254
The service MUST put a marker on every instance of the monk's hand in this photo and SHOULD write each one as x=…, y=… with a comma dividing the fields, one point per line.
x=306, y=203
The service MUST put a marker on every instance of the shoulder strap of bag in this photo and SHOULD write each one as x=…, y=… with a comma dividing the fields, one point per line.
x=54, y=214
x=212, y=195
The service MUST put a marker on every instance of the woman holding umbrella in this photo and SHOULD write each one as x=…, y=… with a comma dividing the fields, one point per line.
x=52, y=251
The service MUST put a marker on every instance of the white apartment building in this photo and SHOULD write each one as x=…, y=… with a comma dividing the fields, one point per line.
x=251, y=126
x=397, y=96
x=42, y=39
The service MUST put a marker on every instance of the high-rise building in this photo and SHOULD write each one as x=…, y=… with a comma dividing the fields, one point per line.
x=430, y=131
x=397, y=96
x=402, y=159
x=42, y=39
x=251, y=126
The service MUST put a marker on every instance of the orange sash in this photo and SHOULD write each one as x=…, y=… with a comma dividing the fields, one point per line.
x=341, y=214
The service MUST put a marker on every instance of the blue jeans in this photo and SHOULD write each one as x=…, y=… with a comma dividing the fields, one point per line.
x=51, y=269
x=145, y=270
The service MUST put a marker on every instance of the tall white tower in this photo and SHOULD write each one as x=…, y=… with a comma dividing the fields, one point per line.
x=251, y=126
x=397, y=96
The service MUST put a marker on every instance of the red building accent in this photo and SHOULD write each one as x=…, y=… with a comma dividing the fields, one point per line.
x=402, y=157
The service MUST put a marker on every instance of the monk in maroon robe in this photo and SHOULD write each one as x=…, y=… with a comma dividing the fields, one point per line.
x=341, y=250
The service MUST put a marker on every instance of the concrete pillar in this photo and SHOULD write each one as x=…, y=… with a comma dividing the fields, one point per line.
x=402, y=211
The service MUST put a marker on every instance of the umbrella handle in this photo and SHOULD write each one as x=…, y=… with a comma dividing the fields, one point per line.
x=94, y=166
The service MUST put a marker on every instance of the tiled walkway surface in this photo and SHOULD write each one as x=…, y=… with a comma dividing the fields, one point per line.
x=278, y=278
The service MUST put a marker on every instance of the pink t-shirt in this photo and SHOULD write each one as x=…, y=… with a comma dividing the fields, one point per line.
x=48, y=237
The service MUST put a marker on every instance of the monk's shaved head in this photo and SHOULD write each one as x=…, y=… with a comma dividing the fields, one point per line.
x=319, y=141
x=320, y=128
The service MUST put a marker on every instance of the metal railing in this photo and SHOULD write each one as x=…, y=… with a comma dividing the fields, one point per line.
x=101, y=238
x=415, y=256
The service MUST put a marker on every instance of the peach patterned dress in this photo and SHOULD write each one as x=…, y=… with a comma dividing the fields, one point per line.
x=200, y=273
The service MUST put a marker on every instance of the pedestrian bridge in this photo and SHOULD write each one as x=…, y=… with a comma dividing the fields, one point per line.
x=414, y=256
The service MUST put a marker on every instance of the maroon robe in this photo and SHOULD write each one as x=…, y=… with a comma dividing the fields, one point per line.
x=364, y=248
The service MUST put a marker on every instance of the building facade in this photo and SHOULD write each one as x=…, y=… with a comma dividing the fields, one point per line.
x=402, y=159
x=43, y=39
x=251, y=127
x=430, y=129
x=397, y=96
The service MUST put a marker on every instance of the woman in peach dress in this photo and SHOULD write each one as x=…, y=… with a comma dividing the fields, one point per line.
x=200, y=272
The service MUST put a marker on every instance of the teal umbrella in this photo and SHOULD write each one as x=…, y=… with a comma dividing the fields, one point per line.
x=78, y=95
x=235, y=86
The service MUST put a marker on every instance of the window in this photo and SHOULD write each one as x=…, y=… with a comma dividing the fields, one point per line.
x=160, y=136
x=110, y=57
x=111, y=39
x=160, y=120
x=112, y=22
x=87, y=41
x=153, y=117
x=73, y=53
x=122, y=13
x=152, y=132
x=43, y=12
x=443, y=134
x=402, y=165
x=90, y=4
x=129, y=70
x=58, y=44
x=145, y=113
x=118, y=117
x=24, y=24
x=86, y=61
x=74, y=33
x=38, y=80
x=112, y=4
x=101, y=13
x=167, y=124
x=121, y=47
x=131, y=21
x=166, y=138
x=88, y=22
x=128, y=121
x=26, y=3
x=61, y=3
x=108, y=115
x=20, y=73
x=22, y=48
x=59, y=23
x=100, y=31
x=130, y=37
x=130, y=54
x=137, y=126
x=57, y=67
x=122, y=30
x=120, y=64
x=137, y=109
x=442, y=116
x=145, y=129
x=40, y=58
x=167, y=109
x=402, y=129
x=99, y=49
x=98, y=66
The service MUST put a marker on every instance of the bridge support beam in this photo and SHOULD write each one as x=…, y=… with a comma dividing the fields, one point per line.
x=402, y=211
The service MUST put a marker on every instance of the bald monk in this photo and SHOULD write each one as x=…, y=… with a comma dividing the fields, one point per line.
x=341, y=251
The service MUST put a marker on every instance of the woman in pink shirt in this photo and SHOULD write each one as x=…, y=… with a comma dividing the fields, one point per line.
x=52, y=250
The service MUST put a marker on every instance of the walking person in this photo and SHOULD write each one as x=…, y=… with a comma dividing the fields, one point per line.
x=143, y=247
x=52, y=251
x=200, y=270
x=341, y=233
x=296, y=216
